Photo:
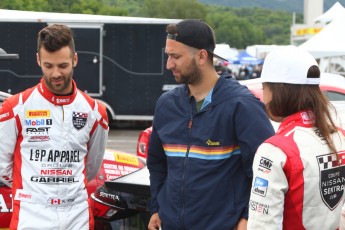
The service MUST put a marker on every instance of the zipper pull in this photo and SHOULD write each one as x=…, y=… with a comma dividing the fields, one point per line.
x=190, y=123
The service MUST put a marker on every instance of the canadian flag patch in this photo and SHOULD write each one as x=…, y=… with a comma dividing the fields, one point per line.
x=55, y=201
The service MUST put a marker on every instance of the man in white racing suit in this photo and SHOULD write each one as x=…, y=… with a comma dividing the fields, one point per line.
x=53, y=139
x=299, y=174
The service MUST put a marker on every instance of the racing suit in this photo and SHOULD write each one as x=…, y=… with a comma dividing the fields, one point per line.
x=200, y=163
x=297, y=182
x=51, y=146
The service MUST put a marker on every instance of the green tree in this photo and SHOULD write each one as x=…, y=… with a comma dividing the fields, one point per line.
x=30, y=5
x=174, y=9
x=235, y=31
x=238, y=27
x=275, y=24
x=64, y=6
x=265, y=26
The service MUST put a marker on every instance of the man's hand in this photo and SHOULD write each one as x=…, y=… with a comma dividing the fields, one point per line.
x=241, y=225
x=155, y=222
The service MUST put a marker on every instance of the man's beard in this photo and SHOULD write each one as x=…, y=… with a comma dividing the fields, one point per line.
x=59, y=89
x=193, y=75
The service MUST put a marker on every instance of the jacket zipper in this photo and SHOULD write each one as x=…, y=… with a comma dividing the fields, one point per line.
x=190, y=124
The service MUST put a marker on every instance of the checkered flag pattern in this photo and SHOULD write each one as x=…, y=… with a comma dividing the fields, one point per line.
x=78, y=114
x=327, y=162
x=331, y=161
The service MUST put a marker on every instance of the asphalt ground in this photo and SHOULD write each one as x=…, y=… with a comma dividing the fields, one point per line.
x=124, y=139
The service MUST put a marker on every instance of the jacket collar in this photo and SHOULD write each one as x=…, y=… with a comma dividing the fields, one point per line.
x=302, y=118
x=55, y=99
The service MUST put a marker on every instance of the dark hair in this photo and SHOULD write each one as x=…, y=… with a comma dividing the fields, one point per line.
x=288, y=99
x=55, y=37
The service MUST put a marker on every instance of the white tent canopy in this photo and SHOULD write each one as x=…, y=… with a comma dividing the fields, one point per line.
x=336, y=10
x=329, y=42
x=225, y=51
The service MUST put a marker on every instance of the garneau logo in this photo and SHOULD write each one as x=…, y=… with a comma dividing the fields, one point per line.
x=54, y=180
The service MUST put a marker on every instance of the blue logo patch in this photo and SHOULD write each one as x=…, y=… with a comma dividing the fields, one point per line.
x=260, y=186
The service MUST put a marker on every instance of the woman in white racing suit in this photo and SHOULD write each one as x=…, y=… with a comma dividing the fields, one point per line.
x=299, y=173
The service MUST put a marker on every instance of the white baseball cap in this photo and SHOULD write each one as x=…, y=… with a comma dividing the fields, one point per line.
x=288, y=65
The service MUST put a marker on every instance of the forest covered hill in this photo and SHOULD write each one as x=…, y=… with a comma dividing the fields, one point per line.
x=284, y=5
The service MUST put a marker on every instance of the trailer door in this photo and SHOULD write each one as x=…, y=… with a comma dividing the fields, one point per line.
x=88, y=72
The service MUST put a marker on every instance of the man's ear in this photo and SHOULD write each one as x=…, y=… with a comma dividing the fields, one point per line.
x=203, y=56
x=38, y=59
x=75, y=59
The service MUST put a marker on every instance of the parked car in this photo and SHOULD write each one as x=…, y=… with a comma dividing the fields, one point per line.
x=115, y=164
x=122, y=203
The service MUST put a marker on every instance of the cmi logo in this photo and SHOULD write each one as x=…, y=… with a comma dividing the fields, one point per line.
x=265, y=165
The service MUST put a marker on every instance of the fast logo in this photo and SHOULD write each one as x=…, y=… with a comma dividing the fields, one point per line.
x=260, y=186
x=38, y=130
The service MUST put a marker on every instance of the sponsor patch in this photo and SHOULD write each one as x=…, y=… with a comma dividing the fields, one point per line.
x=332, y=178
x=126, y=158
x=23, y=196
x=54, y=180
x=39, y=139
x=62, y=100
x=38, y=122
x=38, y=130
x=79, y=120
x=260, y=186
x=58, y=201
x=37, y=113
x=259, y=207
x=55, y=201
x=212, y=143
x=4, y=115
x=54, y=156
x=265, y=165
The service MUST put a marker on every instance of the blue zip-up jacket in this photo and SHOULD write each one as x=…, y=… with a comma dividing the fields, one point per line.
x=200, y=163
